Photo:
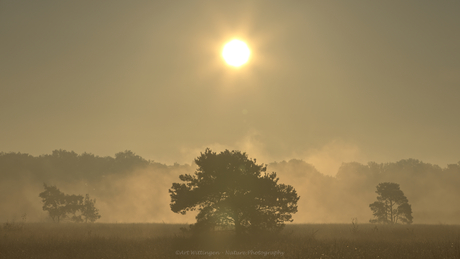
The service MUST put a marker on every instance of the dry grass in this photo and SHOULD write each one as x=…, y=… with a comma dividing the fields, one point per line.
x=40, y=240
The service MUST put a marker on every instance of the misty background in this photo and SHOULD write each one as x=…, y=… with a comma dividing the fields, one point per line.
x=327, y=82
x=330, y=86
x=129, y=188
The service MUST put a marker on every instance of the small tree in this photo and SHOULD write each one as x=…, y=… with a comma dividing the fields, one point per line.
x=391, y=205
x=54, y=201
x=59, y=205
x=88, y=210
x=230, y=191
x=74, y=204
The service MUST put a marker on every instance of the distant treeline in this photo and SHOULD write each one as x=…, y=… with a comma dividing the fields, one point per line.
x=433, y=191
x=131, y=188
x=128, y=188
x=68, y=165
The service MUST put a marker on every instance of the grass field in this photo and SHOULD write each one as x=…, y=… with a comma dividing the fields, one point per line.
x=45, y=240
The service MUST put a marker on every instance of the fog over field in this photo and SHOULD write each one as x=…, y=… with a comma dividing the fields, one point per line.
x=109, y=108
x=116, y=99
x=129, y=188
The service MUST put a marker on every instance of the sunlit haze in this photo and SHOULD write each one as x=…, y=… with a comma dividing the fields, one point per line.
x=330, y=83
x=329, y=86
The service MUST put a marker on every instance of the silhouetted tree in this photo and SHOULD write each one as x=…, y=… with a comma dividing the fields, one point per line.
x=88, y=210
x=391, y=205
x=73, y=206
x=229, y=190
x=59, y=205
x=54, y=201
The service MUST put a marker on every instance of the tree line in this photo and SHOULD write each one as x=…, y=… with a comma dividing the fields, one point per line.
x=432, y=190
x=68, y=165
x=323, y=198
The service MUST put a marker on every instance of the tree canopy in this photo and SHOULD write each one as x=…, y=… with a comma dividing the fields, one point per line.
x=391, y=205
x=60, y=205
x=55, y=202
x=232, y=191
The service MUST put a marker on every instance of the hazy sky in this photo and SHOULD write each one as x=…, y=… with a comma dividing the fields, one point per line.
x=327, y=82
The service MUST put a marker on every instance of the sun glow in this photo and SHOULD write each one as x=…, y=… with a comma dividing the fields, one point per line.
x=236, y=53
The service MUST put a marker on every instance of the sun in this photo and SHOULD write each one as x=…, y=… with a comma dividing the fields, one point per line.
x=236, y=53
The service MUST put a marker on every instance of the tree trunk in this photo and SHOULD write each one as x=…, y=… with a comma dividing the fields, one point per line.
x=237, y=228
x=237, y=220
x=386, y=211
x=391, y=212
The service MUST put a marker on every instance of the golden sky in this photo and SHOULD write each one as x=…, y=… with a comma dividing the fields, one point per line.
x=327, y=81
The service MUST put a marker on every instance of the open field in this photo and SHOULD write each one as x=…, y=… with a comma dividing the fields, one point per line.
x=45, y=240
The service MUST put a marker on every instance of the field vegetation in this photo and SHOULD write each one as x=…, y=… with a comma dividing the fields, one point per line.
x=99, y=240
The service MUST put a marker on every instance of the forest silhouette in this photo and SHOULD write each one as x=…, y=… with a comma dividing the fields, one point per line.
x=129, y=188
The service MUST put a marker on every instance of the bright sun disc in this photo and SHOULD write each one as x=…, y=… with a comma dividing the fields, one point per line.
x=236, y=53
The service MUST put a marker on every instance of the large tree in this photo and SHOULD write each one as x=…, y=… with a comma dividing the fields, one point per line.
x=391, y=205
x=231, y=191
